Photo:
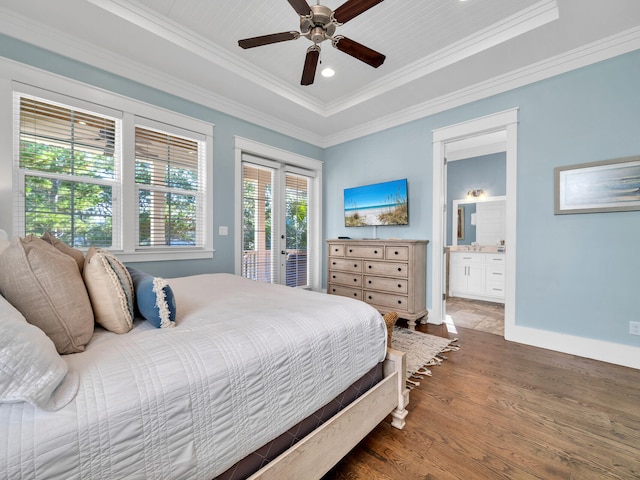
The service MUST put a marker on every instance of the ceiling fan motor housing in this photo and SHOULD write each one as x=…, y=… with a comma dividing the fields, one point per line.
x=318, y=26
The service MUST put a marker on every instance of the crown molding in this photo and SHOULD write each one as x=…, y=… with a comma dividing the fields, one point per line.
x=64, y=44
x=609, y=47
x=45, y=37
x=147, y=19
x=524, y=21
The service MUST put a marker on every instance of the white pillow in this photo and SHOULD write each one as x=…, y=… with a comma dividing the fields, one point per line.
x=30, y=368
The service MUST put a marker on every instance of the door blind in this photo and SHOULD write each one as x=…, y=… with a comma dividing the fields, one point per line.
x=257, y=209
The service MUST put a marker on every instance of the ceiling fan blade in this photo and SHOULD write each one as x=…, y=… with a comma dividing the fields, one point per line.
x=353, y=8
x=268, y=39
x=310, y=65
x=301, y=6
x=359, y=51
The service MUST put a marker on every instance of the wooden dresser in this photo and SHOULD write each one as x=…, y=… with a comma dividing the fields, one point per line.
x=388, y=274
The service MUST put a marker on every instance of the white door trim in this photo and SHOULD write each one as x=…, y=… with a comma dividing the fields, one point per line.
x=507, y=121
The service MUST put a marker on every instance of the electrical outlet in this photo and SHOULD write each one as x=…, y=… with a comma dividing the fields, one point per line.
x=634, y=328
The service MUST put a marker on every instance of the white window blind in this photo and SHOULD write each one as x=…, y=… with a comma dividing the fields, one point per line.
x=275, y=222
x=77, y=163
x=170, y=189
x=68, y=168
x=297, y=268
x=257, y=209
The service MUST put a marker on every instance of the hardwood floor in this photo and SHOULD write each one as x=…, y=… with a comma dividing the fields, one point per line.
x=501, y=410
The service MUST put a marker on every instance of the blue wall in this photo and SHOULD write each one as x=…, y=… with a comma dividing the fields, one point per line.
x=226, y=127
x=488, y=172
x=576, y=274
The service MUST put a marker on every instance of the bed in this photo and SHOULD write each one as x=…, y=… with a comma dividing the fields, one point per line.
x=245, y=363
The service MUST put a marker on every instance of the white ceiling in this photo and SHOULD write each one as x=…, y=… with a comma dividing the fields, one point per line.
x=440, y=53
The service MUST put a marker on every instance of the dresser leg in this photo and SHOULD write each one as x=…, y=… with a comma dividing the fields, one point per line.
x=411, y=324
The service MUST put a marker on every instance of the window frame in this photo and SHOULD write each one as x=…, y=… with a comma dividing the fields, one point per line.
x=131, y=113
x=245, y=148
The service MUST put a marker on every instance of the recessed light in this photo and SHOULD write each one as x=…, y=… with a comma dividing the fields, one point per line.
x=328, y=72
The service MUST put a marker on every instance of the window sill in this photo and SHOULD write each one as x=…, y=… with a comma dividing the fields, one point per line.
x=163, y=256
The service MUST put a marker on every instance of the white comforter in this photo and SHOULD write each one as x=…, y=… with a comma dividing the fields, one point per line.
x=245, y=362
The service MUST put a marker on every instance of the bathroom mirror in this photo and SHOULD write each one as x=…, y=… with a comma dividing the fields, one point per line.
x=481, y=221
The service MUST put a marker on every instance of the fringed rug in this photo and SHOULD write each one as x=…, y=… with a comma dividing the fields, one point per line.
x=423, y=351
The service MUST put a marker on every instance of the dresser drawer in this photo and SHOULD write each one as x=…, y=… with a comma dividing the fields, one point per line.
x=395, y=285
x=345, y=279
x=336, y=249
x=386, y=299
x=396, y=253
x=345, y=265
x=345, y=291
x=364, y=251
x=390, y=269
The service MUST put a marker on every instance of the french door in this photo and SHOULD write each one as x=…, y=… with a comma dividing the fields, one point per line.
x=275, y=222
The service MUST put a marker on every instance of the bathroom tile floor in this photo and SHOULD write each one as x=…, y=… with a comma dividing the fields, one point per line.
x=476, y=314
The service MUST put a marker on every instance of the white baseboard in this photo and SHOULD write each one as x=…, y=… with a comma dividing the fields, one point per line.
x=616, y=353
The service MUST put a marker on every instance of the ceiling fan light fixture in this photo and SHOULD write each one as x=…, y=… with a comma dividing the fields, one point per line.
x=328, y=72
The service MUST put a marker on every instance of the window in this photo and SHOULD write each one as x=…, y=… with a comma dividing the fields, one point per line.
x=73, y=177
x=67, y=164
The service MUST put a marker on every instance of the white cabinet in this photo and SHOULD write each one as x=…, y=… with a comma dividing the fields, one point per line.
x=388, y=274
x=477, y=275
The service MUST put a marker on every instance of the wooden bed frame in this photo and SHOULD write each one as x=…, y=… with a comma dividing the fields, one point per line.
x=318, y=452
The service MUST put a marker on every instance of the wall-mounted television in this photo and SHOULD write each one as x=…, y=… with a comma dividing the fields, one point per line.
x=378, y=204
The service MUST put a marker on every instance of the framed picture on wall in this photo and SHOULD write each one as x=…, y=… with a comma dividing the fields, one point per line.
x=605, y=186
x=460, y=223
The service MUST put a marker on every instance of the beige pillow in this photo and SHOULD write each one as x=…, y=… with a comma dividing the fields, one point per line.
x=110, y=289
x=74, y=253
x=45, y=285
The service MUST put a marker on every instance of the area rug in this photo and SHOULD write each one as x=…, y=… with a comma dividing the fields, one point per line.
x=423, y=351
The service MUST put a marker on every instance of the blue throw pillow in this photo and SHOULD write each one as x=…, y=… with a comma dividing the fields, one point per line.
x=154, y=299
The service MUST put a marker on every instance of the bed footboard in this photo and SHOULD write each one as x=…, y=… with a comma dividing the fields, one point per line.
x=319, y=451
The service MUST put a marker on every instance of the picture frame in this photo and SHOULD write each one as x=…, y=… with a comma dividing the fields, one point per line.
x=460, y=223
x=596, y=187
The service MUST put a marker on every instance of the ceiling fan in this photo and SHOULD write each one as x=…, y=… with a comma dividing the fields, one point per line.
x=318, y=23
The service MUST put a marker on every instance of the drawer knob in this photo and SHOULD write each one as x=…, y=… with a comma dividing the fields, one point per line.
x=399, y=302
x=333, y=263
x=375, y=252
x=395, y=253
x=370, y=297
x=333, y=289
x=399, y=269
x=370, y=266
x=399, y=286
x=369, y=282
x=355, y=294
x=355, y=279
x=350, y=250
x=333, y=276
x=355, y=265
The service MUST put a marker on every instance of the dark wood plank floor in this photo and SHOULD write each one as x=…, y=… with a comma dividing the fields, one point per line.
x=501, y=410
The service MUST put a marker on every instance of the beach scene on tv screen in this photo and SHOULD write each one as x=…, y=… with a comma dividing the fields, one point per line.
x=378, y=204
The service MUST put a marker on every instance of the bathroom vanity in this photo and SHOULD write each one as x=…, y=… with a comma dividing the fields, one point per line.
x=477, y=273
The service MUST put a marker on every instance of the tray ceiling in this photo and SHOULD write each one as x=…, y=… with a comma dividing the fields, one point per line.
x=438, y=53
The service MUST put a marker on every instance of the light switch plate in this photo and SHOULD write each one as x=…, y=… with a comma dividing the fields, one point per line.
x=223, y=230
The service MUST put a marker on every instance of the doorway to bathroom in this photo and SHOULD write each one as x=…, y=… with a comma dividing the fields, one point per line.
x=476, y=138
